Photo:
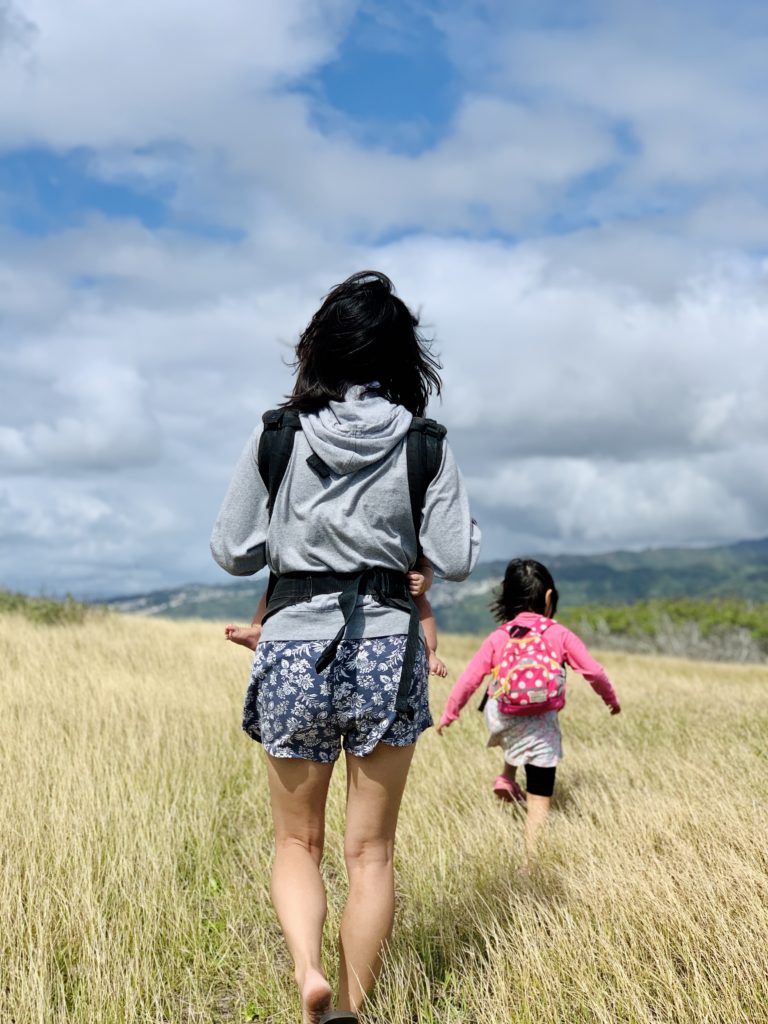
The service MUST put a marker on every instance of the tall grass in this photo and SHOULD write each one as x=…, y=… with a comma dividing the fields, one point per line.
x=136, y=847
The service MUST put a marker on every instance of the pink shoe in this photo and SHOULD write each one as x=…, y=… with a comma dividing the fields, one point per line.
x=508, y=791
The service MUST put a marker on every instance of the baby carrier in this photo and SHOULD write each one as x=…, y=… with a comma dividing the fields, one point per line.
x=528, y=678
x=424, y=453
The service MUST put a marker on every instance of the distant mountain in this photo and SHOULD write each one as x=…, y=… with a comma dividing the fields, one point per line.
x=236, y=601
x=619, y=577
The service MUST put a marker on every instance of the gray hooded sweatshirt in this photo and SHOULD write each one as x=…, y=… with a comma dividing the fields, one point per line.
x=358, y=517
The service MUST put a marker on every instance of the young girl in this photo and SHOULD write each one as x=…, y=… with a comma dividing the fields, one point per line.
x=528, y=598
x=419, y=582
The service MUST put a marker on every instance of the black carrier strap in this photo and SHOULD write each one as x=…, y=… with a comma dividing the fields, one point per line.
x=424, y=455
x=275, y=447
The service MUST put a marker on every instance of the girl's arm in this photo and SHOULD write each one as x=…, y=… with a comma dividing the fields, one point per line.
x=581, y=661
x=472, y=676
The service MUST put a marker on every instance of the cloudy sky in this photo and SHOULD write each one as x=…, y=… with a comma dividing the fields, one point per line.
x=574, y=196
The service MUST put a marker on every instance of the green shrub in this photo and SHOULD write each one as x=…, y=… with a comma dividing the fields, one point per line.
x=45, y=610
x=663, y=624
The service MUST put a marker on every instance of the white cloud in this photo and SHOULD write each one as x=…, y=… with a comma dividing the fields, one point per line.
x=590, y=366
x=71, y=536
x=500, y=167
x=590, y=412
x=576, y=504
x=605, y=386
x=684, y=82
x=86, y=73
x=111, y=426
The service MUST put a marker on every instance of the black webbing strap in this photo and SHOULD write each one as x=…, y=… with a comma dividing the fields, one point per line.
x=424, y=453
x=387, y=586
x=275, y=448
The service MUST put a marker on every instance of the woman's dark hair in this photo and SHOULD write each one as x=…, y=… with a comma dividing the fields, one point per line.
x=363, y=333
x=524, y=589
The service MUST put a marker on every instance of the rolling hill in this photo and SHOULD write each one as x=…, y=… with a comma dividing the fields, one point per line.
x=616, y=578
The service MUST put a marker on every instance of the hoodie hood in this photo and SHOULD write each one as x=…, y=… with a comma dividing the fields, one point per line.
x=355, y=433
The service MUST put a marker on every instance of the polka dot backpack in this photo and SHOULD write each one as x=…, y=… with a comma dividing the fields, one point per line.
x=528, y=677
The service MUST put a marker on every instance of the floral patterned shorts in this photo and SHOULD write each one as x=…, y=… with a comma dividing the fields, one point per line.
x=295, y=712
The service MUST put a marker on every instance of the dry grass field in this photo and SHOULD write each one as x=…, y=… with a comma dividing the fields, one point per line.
x=136, y=848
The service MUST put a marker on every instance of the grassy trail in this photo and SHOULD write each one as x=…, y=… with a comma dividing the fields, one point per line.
x=135, y=848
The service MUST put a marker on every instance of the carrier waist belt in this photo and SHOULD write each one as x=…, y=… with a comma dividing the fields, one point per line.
x=386, y=586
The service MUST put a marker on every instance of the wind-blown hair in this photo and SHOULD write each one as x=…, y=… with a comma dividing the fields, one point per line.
x=524, y=589
x=363, y=333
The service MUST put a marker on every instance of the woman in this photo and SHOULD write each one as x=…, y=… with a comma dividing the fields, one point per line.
x=323, y=499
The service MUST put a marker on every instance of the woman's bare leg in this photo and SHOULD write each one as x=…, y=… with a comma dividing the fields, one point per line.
x=298, y=791
x=375, y=787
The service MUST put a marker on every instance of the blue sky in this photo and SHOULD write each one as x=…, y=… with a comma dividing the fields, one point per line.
x=47, y=192
x=391, y=80
x=573, y=196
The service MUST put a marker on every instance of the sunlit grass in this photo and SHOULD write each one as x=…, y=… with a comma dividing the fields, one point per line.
x=136, y=847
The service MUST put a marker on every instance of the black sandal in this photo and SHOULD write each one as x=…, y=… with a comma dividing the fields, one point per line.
x=339, y=1017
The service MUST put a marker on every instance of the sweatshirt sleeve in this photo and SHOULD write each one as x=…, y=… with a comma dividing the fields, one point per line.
x=470, y=679
x=578, y=657
x=239, y=538
x=449, y=536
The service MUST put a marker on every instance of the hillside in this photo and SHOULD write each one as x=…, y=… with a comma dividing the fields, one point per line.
x=619, y=578
x=616, y=578
x=719, y=629
x=724, y=629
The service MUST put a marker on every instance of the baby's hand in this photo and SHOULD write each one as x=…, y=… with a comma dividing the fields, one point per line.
x=436, y=666
x=420, y=579
x=443, y=725
x=615, y=709
x=417, y=583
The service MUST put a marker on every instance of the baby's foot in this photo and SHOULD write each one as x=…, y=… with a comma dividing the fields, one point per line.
x=315, y=996
x=436, y=666
x=248, y=636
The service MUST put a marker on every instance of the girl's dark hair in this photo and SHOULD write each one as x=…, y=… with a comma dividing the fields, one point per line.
x=363, y=333
x=524, y=589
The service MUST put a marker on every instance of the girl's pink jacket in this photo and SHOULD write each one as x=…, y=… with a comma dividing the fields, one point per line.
x=566, y=645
